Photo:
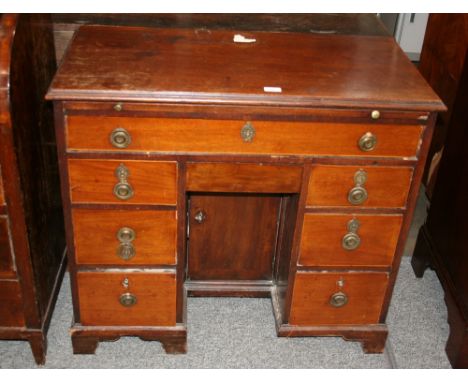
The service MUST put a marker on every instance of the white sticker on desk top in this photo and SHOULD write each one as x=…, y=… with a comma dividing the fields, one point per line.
x=272, y=89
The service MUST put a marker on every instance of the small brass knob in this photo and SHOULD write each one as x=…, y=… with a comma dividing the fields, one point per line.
x=123, y=191
x=367, y=142
x=338, y=299
x=200, y=217
x=247, y=132
x=118, y=107
x=127, y=300
x=375, y=114
x=120, y=138
x=351, y=240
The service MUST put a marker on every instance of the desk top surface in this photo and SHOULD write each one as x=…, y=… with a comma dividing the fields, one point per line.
x=207, y=66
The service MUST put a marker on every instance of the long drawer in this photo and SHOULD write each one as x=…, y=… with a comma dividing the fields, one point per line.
x=122, y=181
x=124, y=237
x=363, y=186
x=330, y=240
x=337, y=298
x=127, y=298
x=241, y=137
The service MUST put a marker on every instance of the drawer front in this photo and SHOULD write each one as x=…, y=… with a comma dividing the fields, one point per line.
x=228, y=136
x=11, y=305
x=124, y=237
x=148, y=300
x=366, y=186
x=134, y=181
x=349, y=240
x=6, y=259
x=315, y=293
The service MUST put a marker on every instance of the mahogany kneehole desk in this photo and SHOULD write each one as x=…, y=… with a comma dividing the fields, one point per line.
x=184, y=175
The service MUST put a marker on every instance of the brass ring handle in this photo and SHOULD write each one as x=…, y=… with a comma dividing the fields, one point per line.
x=126, y=234
x=358, y=194
x=123, y=190
x=367, y=142
x=126, y=251
x=338, y=299
x=247, y=132
x=127, y=300
x=351, y=240
x=120, y=138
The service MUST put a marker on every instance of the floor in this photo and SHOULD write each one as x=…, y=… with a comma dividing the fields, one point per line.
x=240, y=333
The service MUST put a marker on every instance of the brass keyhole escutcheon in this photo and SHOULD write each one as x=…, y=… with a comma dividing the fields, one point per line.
x=247, y=132
x=120, y=138
x=127, y=300
x=338, y=299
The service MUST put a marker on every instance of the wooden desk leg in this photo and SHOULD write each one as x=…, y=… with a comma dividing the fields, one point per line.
x=422, y=255
x=38, y=344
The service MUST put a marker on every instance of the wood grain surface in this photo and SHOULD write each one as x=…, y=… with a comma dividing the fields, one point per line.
x=386, y=186
x=99, y=295
x=224, y=136
x=93, y=181
x=312, y=292
x=95, y=235
x=11, y=303
x=322, y=236
x=243, y=177
x=178, y=65
x=6, y=260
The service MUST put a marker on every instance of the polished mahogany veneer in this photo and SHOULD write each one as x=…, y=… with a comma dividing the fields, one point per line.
x=285, y=167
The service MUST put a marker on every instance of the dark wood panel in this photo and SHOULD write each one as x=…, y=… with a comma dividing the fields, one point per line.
x=2, y=195
x=237, y=177
x=237, y=238
x=386, y=186
x=171, y=65
x=322, y=240
x=96, y=242
x=312, y=293
x=6, y=255
x=11, y=303
x=155, y=298
x=224, y=136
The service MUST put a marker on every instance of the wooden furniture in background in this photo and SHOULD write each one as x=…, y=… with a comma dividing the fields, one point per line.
x=443, y=241
x=32, y=242
x=245, y=144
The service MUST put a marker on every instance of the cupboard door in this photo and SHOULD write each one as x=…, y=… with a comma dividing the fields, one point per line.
x=232, y=237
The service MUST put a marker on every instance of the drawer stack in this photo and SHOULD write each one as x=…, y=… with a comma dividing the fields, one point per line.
x=124, y=218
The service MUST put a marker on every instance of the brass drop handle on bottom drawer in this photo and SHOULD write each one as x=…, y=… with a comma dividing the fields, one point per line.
x=351, y=240
x=338, y=299
x=123, y=190
x=358, y=194
x=126, y=250
x=367, y=142
x=120, y=138
x=127, y=300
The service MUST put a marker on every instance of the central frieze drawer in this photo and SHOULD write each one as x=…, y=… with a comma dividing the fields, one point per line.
x=124, y=237
x=122, y=181
x=127, y=298
x=349, y=240
x=241, y=137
